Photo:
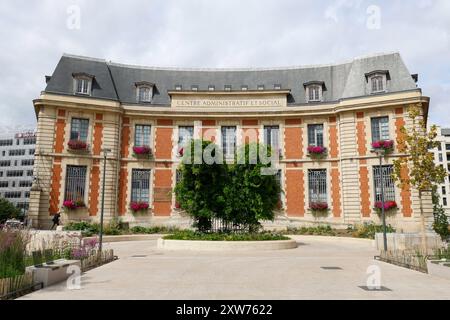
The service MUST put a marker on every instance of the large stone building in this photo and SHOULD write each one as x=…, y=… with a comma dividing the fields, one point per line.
x=16, y=167
x=90, y=105
x=442, y=158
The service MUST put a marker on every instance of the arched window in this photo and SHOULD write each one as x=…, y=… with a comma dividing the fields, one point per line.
x=144, y=92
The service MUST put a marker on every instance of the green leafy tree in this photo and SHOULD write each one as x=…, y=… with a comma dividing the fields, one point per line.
x=7, y=210
x=200, y=191
x=251, y=193
x=417, y=169
x=440, y=224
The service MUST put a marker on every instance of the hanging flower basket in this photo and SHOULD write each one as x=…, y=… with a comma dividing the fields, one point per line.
x=142, y=151
x=317, y=152
x=139, y=206
x=73, y=205
x=77, y=145
x=319, y=209
x=389, y=206
x=386, y=145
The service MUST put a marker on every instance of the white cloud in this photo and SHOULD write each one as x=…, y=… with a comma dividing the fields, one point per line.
x=206, y=33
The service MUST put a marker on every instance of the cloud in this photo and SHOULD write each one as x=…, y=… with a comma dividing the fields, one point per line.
x=202, y=33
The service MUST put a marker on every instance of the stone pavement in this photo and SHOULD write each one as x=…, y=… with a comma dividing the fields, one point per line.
x=143, y=272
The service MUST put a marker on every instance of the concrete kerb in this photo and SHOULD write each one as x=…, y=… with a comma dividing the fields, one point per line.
x=196, y=245
x=126, y=238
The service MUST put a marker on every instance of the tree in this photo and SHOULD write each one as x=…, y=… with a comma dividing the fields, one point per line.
x=440, y=224
x=7, y=210
x=200, y=191
x=417, y=169
x=250, y=194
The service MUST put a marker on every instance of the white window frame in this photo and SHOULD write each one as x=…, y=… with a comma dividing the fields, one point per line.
x=375, y=81
x=317, y=93
x=86, y=85
x=144, y=99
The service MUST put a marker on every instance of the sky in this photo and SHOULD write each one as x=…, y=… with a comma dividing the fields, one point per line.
x=212, y=33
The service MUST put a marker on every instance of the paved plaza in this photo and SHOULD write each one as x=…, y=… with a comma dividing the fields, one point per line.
x=143, y=272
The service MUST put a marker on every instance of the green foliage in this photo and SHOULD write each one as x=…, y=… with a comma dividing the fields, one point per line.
x=153, y=230
x=325, y=230
x=87, y=229
x=368, y=230
x=238, y=194
x=416, y=142
x=250, y=196
x=193, y=235
x=12, y=253
x=8, y=210
x=440, y=224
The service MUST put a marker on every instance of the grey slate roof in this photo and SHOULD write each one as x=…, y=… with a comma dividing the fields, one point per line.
x=117, y=82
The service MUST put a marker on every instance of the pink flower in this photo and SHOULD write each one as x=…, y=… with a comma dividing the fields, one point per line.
x=383, y=144
x=142, y=150
x=138, y=206
x=77, y=145
x=181, y=152
x=318, y=206
x=388, y=205
x=316, y=150
x=70, y=204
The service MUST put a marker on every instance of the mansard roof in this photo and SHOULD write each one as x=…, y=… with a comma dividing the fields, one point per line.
x=117, y=82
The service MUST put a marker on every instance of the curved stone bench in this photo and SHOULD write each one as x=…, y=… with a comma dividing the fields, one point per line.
x=198, y=245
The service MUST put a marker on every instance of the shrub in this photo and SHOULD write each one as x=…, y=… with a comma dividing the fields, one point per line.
x=153, y=230
x=87, y=229
x=368, y=230
x=440, y=224
x=12, y=253
x=325, y=230
x=7, y=210
x=195, y=235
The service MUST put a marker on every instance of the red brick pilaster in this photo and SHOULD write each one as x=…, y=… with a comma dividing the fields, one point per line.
x=55, y=186
x=333, y=134
x=295, y=193
x=335, y=191
x=293, y=139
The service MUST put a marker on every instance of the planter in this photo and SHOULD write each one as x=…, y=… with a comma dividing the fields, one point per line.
x=317, y=152
x=139, y=206
x=53, y=273
x=78, y=146
x=73, y=205
x=439, y=268
x=319, y=209
x=199, y=245
x=390, y=207
x=386, y=145
x=142, y=152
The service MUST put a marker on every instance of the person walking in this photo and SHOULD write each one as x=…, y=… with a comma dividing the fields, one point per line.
x=55, y=220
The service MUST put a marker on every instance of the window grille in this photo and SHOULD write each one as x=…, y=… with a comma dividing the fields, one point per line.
x=140, y=185
x=317, y=180
x=389, y=185
x=75, y=183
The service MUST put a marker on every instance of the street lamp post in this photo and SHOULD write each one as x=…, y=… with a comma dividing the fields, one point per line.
x=380, y=153
x=105, y=153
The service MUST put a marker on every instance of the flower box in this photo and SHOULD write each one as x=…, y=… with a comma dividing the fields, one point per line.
x=388, y=206
x=142, y=151
x=318, y=206
x=73, y=205
x=386, y=145
x=139, y=206
x=77, y=145
x=317, y=151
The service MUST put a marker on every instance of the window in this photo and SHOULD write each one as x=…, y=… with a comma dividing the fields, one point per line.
x=260, y=87
x=211, y=88
x=4, y=184
x=314, y=93
x=13, y=195
x=389, y=185
x=440, y=157
x=315, y=135
x=228, y=141
x=140, y=185
x=75, y=183
x=28, y=141
x=7, y=142
x=27, y=194
x=17, y=142
x=178, y=176
x=227, y=87
x=28, y=162
x=447, y=147
x=14, y=173
x=277, y=86
x=83, y=85
x=1, y=173
x=185, y=134
x=443, y=190
x=15, y=163
x=142, y=135
x=145, y=93
x=244, y=88
x=317, y=183
x=279, y=181
x=271, y=137
x=31, y=152
x=79, y=129
x=17, y=152
x=377, y=84
x=194, y=88
x=25, y=184
x=23, y=205
x=439, y=147
x=178, y=87
x=380, y=128
x=3, y=153
x=5, y=163
x=444, y=201
x=29, y=173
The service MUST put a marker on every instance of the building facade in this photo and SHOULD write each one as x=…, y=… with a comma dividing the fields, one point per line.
x=90, y=105
x=16, y=167
x=442, y=158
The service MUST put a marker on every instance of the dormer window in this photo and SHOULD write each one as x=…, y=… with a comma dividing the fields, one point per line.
x=194, y=88
x=377, y=81
x=244, y=88
x=260, y=87
x=178, y=87
x=227, y=87
x=277, y=86
x=144, y=92
x=211, y=88
x=82, y=83
x=314, y=91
